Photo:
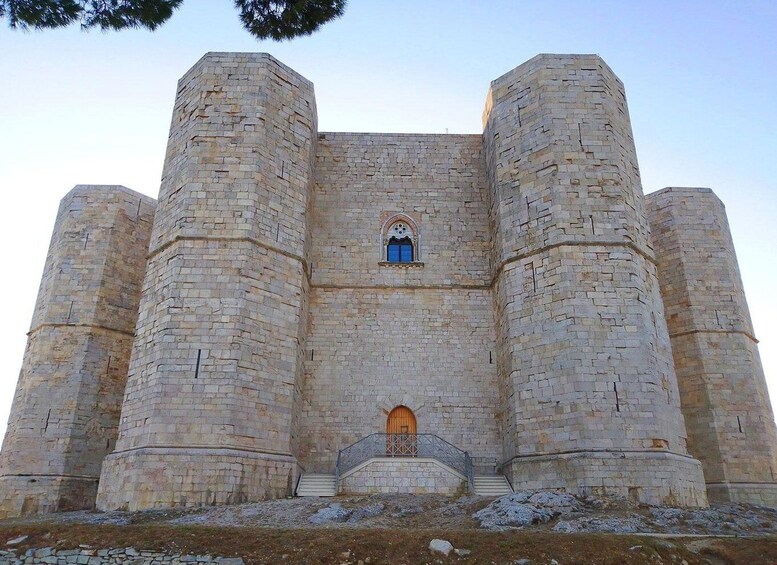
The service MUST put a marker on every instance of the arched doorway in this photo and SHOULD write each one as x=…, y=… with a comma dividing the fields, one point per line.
x=401, y=433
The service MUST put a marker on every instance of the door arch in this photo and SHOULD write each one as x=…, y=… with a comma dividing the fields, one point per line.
x=401, y=420
x=401, y=433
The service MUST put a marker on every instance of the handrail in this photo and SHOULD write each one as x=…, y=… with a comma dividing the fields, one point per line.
x=470, y=473
x=299, y=478
x=337, y=471
x=404, y=445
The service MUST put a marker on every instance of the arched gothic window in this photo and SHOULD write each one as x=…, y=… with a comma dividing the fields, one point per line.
x=400, y=243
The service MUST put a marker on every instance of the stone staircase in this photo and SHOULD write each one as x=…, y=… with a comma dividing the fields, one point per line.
x=313, y=484
x=491, y=485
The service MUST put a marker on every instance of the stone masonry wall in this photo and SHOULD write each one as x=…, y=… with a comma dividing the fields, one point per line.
x=583, y=353
x=217, y=360
x=438, y=181
x=724, y=397
x=381, y=335
x=417, y=476
x=66, y=408
x=161, y=477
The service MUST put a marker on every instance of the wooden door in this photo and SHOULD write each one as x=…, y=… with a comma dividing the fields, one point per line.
x=401, y=430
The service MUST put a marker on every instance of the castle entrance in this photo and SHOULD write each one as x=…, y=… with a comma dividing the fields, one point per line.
x=401, y=432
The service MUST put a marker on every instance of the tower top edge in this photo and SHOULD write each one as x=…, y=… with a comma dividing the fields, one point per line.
x=249, y=58
x=554, y=61
x=107, y=190
x=669, y=191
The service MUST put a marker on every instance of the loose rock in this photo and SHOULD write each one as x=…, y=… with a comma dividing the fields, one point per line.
x=441, y=546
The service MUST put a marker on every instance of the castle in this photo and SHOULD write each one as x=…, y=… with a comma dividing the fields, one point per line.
x=394, y=312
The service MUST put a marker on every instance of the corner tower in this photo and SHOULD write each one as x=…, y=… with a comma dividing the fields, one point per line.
x=589, y=394
x=725, y=402
x=210, y=408
x=66, y=408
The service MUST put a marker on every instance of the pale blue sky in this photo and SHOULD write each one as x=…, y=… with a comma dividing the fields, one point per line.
x=701, y=80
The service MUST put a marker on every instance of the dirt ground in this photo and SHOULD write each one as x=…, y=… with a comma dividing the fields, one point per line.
x=397, y=529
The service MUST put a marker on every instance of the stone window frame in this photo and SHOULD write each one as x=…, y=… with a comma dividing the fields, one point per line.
x=414, y=236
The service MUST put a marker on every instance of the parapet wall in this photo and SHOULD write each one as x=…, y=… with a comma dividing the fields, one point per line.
x=66, y=409
x=724, y=397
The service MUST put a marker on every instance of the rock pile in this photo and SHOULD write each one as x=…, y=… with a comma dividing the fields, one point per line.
x=525, y=508
x=592, y=514
x=123, y=556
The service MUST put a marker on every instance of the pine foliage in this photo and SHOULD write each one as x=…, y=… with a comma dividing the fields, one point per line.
x=279, y=19
x=264, y=19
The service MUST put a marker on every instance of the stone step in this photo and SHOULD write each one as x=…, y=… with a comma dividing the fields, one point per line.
x=316, y=484
x=491, y=485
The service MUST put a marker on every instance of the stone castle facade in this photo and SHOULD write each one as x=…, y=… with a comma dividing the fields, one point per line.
x=514, y=292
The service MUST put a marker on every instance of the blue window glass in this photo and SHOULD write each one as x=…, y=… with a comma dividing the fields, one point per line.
x=406, y=253
x=393, y=253
x=399, y=250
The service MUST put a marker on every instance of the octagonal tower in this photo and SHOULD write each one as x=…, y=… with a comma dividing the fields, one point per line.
x=589, y=394
x=724, y=397
x=209, y=412
x=66, y=408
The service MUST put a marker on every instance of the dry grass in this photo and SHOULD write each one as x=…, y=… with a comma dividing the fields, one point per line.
x=396, y=546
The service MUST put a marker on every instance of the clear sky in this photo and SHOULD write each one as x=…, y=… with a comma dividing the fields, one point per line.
x=94, y=108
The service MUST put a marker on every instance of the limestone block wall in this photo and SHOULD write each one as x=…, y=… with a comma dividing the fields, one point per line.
x=364, y=179
x=406, y=475
x=66, y=408
x=387, y=335
x=724, y=397
x=583, y=353
x=217, y=360
x=373, y=350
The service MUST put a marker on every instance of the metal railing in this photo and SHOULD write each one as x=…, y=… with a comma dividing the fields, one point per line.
x=470, y=473
x=404, y=445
